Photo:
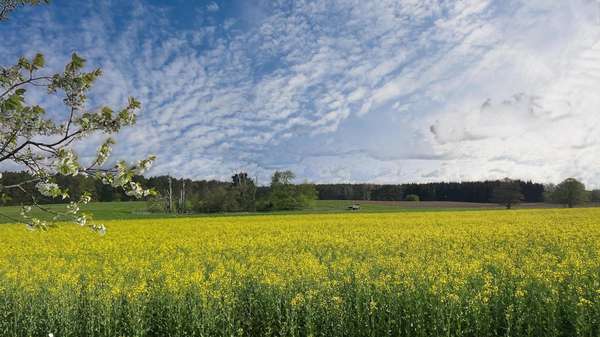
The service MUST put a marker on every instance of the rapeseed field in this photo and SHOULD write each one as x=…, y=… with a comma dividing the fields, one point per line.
x=481, y=273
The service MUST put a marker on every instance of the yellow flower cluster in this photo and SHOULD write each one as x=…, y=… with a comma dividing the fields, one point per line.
x=484, y=273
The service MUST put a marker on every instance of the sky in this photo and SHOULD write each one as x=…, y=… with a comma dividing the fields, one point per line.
x=386, y=91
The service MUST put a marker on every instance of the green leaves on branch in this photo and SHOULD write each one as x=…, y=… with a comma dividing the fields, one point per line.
x=74, y=83
x=45, y=146
x=66, y=162
x=106, y=120
x=38, y=61
x=14, y=102
x=77, y=63
x=32, y=65
x=104, y=152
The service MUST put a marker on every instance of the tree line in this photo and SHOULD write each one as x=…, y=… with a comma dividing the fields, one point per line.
x=472, y=191
x=242, y=193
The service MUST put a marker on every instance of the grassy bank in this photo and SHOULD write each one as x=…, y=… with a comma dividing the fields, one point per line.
x=137, y=209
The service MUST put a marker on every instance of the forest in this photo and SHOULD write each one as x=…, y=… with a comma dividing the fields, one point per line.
x=242, y=193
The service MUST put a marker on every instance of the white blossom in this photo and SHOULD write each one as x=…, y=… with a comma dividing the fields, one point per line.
x=48, y=189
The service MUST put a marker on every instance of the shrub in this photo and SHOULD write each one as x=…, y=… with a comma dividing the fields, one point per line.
x=412, y=197
x=156, y=205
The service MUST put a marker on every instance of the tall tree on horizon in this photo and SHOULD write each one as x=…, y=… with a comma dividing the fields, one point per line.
x=244, y=190
x=570, y=192
x=507, y=193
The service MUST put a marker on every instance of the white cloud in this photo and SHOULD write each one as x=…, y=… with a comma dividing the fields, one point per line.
x=212, y=7
x=363, y=82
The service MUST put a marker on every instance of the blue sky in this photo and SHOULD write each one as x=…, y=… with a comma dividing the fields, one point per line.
x=339, y=90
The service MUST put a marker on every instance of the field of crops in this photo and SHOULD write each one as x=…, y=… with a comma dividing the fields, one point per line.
x=470, y=273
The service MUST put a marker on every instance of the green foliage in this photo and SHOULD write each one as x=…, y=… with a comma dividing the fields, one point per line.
x=570, y=192
x=307, y=195
x=237, y=196
x=507, y=193
x=243, y=191
x=548, y=192
x=215, y=201
x=282, y=177
x=595, y=196
x=157, y=205
x=284, y=195
x=412, y=197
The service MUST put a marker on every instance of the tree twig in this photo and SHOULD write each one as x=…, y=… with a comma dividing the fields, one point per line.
x=30, y=80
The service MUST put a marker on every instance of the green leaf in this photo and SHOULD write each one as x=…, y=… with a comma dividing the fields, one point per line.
x=38, y=60
x=38, y=110
x=76, y=63
x=133, y=103
x=24, y=63
x=107, y=113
